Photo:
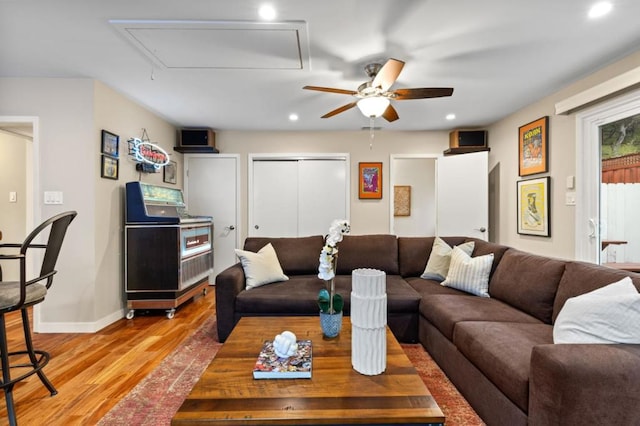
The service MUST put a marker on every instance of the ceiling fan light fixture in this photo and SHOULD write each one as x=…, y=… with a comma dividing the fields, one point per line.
x=373, y=106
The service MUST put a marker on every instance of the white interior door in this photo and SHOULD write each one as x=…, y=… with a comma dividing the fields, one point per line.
x=462, y=194
x=321, y=194
x=211, y=189
x=274, y=199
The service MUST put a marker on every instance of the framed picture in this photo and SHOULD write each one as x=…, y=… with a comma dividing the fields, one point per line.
x=109, y=167
x=402, y=200
x=533, y=207
x=370, y=180
x=110, y=144
x=533, y=143
x=169, y=172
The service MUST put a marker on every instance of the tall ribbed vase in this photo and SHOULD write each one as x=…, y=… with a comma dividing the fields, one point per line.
x=368, y=321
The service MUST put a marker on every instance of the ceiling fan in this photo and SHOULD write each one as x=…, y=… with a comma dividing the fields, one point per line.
x=374, y=96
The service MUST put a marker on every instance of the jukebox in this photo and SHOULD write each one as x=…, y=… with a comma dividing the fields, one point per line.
x=168, y=253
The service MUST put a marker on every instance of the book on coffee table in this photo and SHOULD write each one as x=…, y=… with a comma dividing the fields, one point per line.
x=297, y=366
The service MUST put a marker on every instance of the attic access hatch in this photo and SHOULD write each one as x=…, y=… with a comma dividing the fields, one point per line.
x=219, y=44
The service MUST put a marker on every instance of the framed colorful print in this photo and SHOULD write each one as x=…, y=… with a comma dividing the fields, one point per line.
x=110, y=144
x=402, y=200
x=169, y=172
x=533, y=207
x=533, y=144
x=109, y=167
x=370, y=177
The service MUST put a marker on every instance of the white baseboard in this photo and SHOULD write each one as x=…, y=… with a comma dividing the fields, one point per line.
x=79, y=327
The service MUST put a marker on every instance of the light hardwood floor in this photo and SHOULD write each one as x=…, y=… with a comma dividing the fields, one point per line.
x=92, y=372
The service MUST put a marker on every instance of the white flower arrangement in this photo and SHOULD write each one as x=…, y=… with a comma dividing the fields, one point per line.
x=329, y=301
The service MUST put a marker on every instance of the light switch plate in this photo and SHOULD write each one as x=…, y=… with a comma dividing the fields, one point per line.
x=13, y=197
x=570, y=198
x=53, y=197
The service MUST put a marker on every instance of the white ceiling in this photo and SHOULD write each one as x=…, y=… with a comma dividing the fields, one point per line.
x=499, y=55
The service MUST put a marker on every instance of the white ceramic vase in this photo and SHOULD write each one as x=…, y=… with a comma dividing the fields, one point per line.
x=368, y=321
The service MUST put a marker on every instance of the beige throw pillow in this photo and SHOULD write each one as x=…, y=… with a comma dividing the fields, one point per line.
x=610, y=314
x=469, y=274
x=440, y=258
x=262, y=267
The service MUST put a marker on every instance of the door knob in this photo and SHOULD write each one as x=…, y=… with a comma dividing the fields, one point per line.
x=256, y=226
x=481, y=229
x=231, y=227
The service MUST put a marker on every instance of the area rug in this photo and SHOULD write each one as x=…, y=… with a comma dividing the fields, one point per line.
x=155, y=400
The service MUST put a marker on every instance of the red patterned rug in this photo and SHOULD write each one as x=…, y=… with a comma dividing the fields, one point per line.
x=158, y=396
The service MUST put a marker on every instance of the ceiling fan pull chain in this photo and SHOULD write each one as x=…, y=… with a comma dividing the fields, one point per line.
x=371, y=135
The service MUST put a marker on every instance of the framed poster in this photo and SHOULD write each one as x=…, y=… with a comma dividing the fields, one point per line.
x=109, y=167
x=402, y=200
x=370, y=180
x=533, y=207
x=169, y=172
x=110, y=144
x=533, y=143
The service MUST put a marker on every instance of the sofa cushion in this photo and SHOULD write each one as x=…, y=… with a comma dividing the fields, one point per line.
x=262, y=267
x=413, y=253
x=297, y=255
x=440, y=259
x=528, y=282
x=298, y=296
x=426, y=288
x=445, y=311
x=502, y=351
x=610, y=314
x=470, y=274
x=483, y=247
x=582, y=277
x=368, y=251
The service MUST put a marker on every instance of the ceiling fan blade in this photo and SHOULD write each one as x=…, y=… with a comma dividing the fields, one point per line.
x=390, y=114
x=339, y=110
x=331, y=90
x=388, y=74
x=422, y=93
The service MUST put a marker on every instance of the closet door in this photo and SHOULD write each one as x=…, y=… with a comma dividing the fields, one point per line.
x=297, y=197
x=274, y=199
x=322, y=195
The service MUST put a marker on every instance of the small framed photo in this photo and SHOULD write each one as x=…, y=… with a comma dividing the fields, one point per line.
x=402, y=200
x=533, y=207
x=110, y=144
x=370, y=178
x=109, y=167
x=533, y=144
x=170, y=172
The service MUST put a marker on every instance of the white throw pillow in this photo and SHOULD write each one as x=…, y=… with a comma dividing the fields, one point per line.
x=440, y=259
x=262, y=267
x=470, y=274
x=610, y=314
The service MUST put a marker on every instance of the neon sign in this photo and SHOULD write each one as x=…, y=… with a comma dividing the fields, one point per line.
x=148, y=153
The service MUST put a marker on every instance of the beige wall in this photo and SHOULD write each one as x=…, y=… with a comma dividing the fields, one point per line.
x=367, y=216
x=503, y=140
x=118, y=115
x=87, y=292
x=13, y=162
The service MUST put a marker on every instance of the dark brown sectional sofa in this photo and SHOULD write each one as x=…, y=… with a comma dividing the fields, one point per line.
x=498, y=351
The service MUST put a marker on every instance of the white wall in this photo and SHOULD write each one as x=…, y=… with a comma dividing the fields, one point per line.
x=13, y=162
x=419, y=174
x=503, y=161
x=367, y=216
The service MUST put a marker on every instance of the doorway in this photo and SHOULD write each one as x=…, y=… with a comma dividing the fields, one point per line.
x=608, y=161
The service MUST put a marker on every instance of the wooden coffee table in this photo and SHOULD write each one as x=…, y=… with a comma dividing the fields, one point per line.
x=336, y=394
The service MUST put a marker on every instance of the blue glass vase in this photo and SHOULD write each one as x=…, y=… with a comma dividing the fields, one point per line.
x=331, y=324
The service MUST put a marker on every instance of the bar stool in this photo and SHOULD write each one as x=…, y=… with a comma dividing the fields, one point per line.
x=19, y=295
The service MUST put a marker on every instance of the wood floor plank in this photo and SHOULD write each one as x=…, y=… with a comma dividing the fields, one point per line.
x=93, y=371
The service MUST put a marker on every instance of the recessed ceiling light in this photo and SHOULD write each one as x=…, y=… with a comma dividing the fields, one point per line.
x=450, y=117
x=293, y=117
x=600, y=9
x=267, y=12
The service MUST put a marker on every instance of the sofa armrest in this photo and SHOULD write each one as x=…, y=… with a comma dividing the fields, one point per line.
x=229, y=283
x=584, y=384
